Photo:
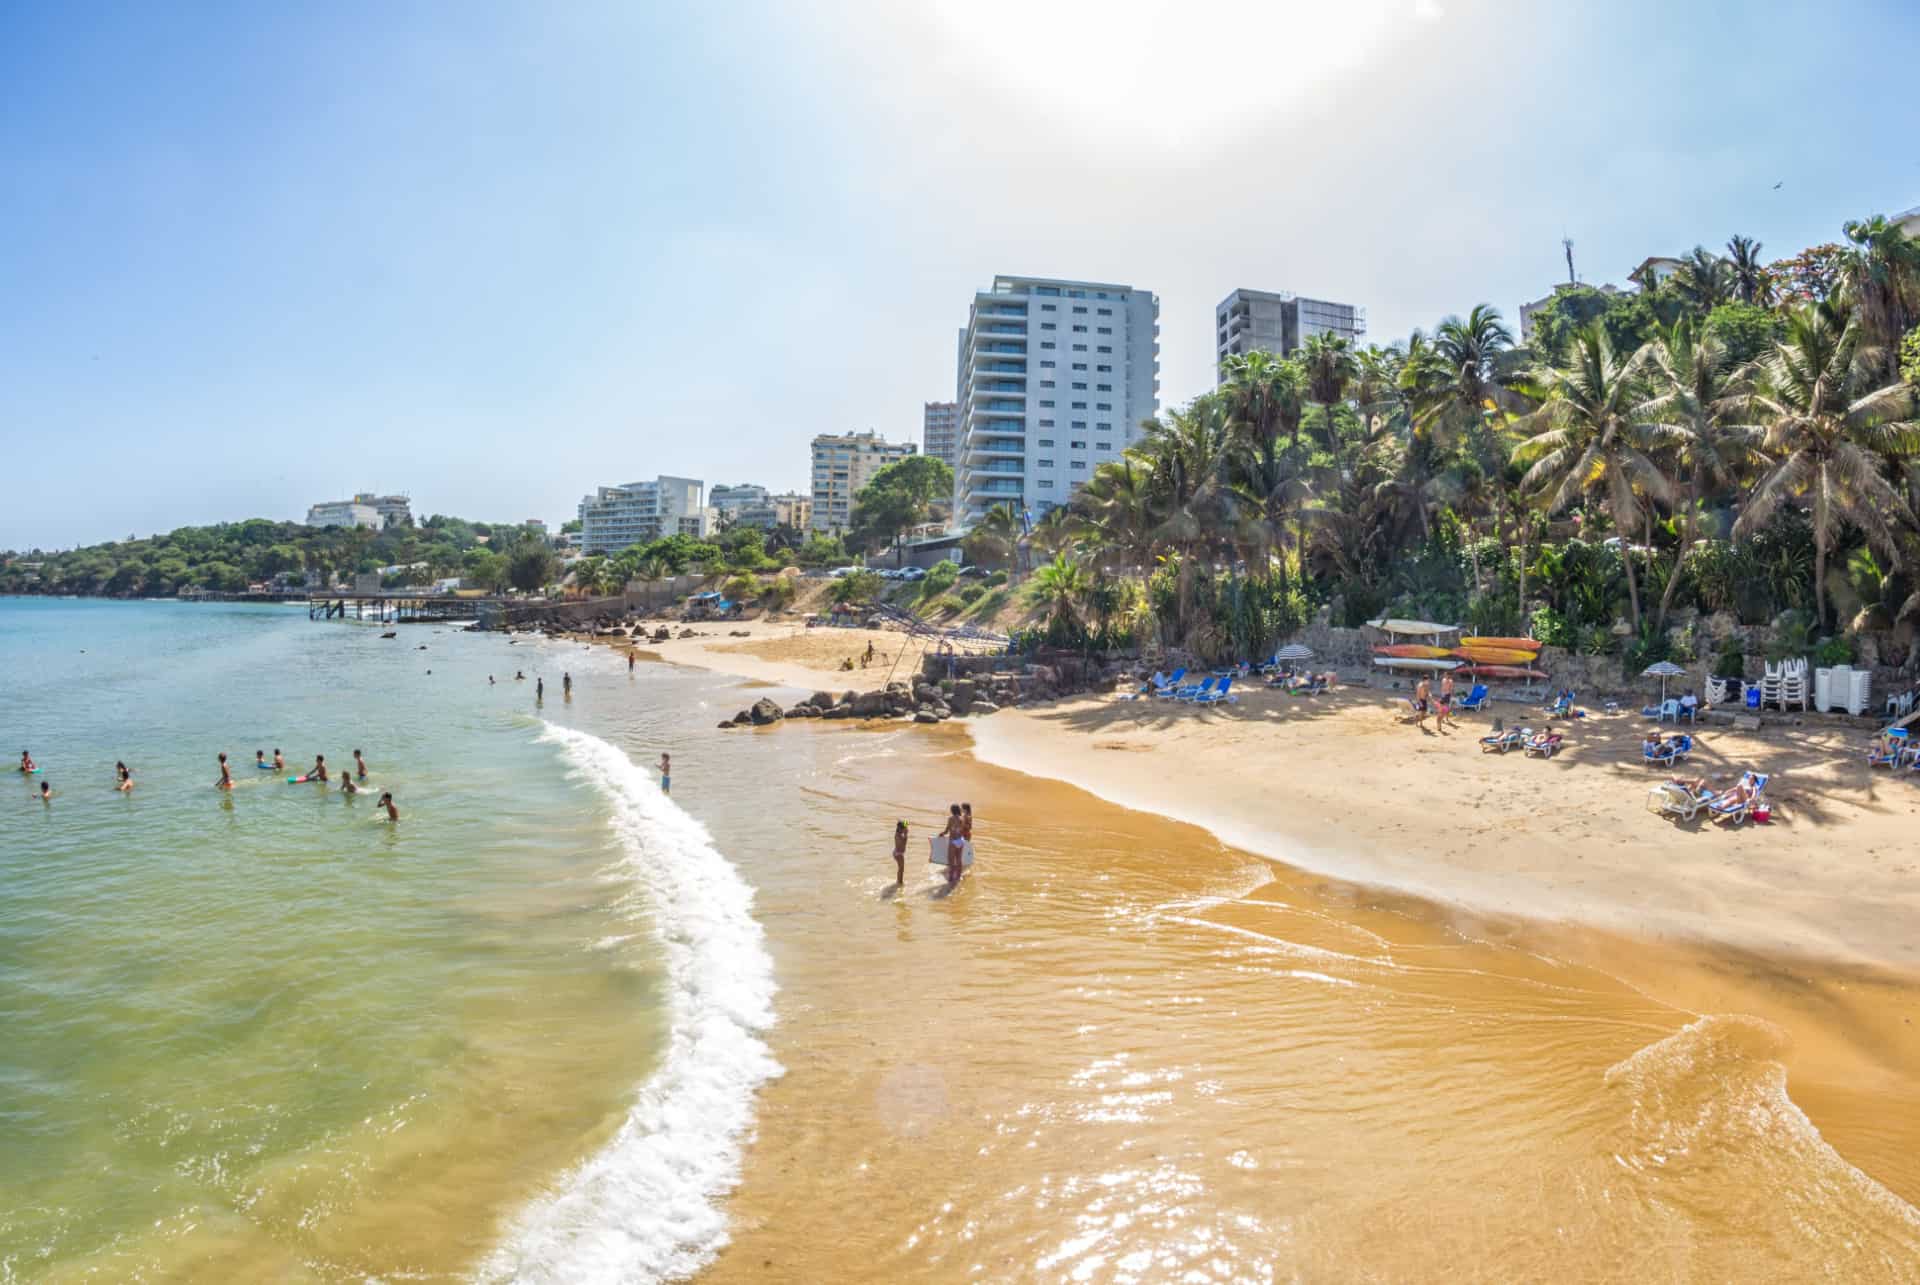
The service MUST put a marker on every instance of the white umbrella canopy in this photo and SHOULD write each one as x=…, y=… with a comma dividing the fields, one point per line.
x=1663, y=670
x=1294, y=651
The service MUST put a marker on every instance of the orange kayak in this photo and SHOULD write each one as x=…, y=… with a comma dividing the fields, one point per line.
x=1510, y=644
x=1413, y=651
x=1500, y=671
x=1497, y=655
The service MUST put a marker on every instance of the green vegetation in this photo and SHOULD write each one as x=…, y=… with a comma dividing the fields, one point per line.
x=1740, y=437
x=233, y=555
x=900, y=496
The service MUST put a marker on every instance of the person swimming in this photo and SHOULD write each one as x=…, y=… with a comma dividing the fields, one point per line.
x=347, y=786
x=386, y=803
x=123, y=777
x=279, y=763
x=359, y=766
x=27, y=765
x=46, y=792
x=260, y=760
x=226, y=774
x=318, y=772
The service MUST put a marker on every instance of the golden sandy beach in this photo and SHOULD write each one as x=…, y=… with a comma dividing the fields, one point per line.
x=1479, y=1018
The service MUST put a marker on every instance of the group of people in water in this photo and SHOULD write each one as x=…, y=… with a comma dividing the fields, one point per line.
x=958, y=832
x=351, y=781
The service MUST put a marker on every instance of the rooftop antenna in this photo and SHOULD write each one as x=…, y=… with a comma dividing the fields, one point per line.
x=1566, y=243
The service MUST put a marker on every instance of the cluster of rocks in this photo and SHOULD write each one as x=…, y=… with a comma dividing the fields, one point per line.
x=923, y=702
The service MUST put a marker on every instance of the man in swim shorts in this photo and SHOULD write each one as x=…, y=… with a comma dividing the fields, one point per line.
x=666, y=774
x=226, y=774
x=359, y=766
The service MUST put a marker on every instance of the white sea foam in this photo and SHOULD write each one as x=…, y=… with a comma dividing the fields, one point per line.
x=645, y=1208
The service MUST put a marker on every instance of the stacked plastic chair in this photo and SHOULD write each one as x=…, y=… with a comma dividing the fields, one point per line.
x=1785, y=684
x=1717, y=690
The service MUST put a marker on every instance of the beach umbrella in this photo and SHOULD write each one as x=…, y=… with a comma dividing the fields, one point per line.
x=1294, y=651
x=1665, y=669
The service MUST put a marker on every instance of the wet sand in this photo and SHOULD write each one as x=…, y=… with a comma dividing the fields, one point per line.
x=1124, y=1051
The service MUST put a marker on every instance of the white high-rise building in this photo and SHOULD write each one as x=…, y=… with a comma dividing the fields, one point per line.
x=616, y=516
x=1277, y=322
x=727, y=498
x=940, y=431
x=843, y=463
x=1054, y=379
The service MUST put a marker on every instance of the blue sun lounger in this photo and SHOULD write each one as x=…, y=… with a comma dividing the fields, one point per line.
x=1475, y=698
x=1669, y=751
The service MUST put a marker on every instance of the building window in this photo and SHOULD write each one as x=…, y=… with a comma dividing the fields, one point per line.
x=1106, y=312
x=1044, y=463
x=1081, y=388
x=1046, y=423
x=1080, y=423
x=1106, y=388
x=1046, y=343
x=1079, y=365
x=1076, y=294
x=1105, y=446
x=1048, y=361
x=1078, y=446
x=1106, y=406
x=1081, y=330
x=1046, y=383
x=1076, y=405
x=1053, y=291
x=1045, y=441
x=1076, y=347
x=1079, y=464
x=1047, y=307
x=1045, y=484
x=1105, y=330
x=1105, y=370
x=1103, y=347
x=1046, y=405
x=1105, y=426
x=1048, y=325
x=1080, y=307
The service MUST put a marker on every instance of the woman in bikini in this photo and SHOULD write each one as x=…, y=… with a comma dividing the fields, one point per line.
x=955, y=835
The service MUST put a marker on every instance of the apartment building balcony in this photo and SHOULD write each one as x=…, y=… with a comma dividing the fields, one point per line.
x=1001, y=368
x=1000, y=466
x=1000, y=386
x=995, y=447
x=993, y=490
x=1000, y=404
x=1003, y=329
x=1011, y=350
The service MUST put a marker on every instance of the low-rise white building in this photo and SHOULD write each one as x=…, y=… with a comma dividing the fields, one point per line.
x=343, y=513
x=616, y=516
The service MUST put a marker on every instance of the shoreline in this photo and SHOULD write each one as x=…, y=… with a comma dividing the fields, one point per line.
x=1338, y=787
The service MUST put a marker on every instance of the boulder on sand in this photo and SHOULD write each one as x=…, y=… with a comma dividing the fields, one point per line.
x=867, y=704
x=764, y=712
x=822, y=700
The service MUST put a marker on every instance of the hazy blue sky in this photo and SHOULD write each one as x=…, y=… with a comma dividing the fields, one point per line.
x=494, y=255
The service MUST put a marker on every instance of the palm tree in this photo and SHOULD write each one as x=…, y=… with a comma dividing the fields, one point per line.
x=1114, y=511
x=1330, y=366
x=994, y=537
x=1060, y=586
x=1054, y=533
x=1588, y=441
x=1376, y=384
x=1880, y=281
x=1703, y=279
x=1459, y=369
x=1693, y=401
x=1263, y=397
x=1189, y=449
x=1827, y=430
x=1747, y=270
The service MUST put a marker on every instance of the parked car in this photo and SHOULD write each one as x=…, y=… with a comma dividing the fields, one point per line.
x=972, y=569
x=911, y=573
x=842, y=572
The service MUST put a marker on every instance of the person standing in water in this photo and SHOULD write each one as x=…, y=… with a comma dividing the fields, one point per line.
x=347, y=787
x=666, y=774
x=539, y=690
x=386, y=804
x=279, y=761
x=953, y=833
x=226, y=774
x=629, y=662
x=46, y=793
x=318, y=772
x=123, y=778
x=27, y=765
x=566, y=686
x=359, y=766
x=899, y=853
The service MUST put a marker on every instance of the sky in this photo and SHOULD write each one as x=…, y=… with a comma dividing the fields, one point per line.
x=495, y=255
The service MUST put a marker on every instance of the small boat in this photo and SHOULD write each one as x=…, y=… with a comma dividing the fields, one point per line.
x=1511, y=644
x=1413, y=651
x=1496, y=655
x=1418, y=628
x=1415, y=662
x=391, y=633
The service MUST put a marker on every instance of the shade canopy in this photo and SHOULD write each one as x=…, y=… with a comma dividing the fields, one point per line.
x=1663, y=670
x=1294, y=651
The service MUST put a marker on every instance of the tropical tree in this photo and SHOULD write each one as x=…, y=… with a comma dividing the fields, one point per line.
x=1060, y=586
x=1703, y=279
x=1114, y=512
x=1746, y=272
x=1330, y=365
x=1189, y=449
x=1828, y=429
x=1586, y=441
x=993, y=539
x=1880, y=281
x=1694, y=401
x=1458, y=371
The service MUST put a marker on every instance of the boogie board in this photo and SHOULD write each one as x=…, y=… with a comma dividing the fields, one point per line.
x=1511, y=644
x=1413, y=651
x=937, y=852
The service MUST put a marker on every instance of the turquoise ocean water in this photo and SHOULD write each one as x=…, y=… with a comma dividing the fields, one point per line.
x=267, y=1035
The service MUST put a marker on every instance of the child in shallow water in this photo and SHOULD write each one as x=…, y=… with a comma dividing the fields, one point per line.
x=900, y=853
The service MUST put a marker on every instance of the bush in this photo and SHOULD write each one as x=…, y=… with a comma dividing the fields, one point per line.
x=857, y=586
x=970, y=593
x=940, y=578
x=738, y=588
x=1554, y=629
x=778, y=591
x=996, y=579
x=1732, y=660
x=1834, y=651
